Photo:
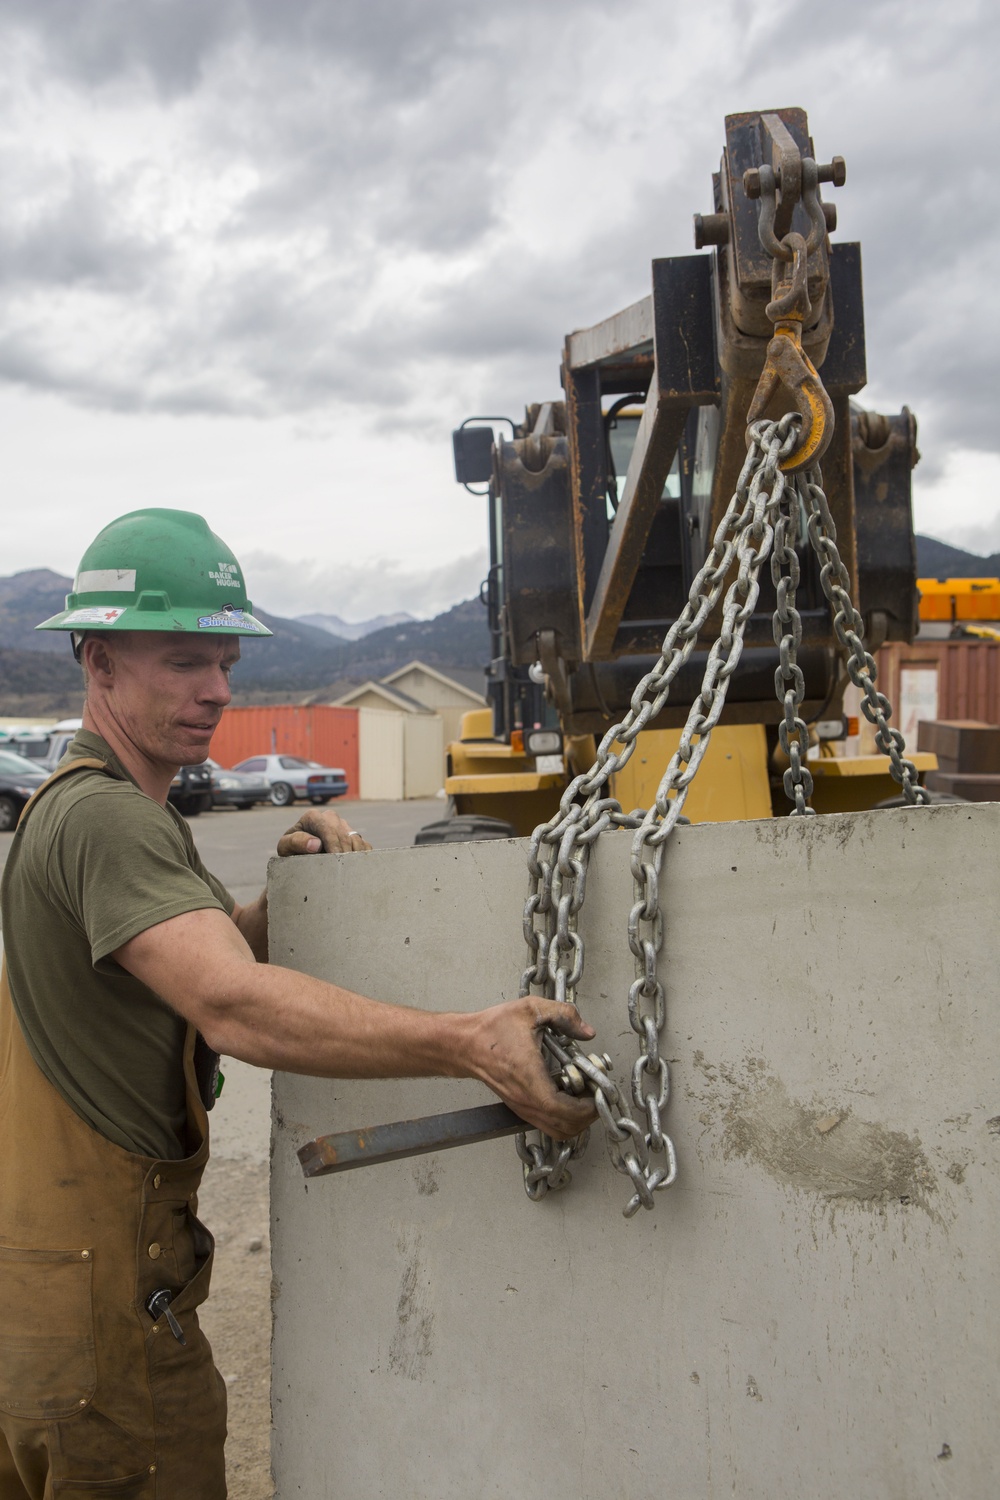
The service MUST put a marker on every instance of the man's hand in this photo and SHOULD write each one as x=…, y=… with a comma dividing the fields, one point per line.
x=320, y=831
x=507, y=1056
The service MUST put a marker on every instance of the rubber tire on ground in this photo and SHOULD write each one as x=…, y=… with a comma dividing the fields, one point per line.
x=9, y=813
x=282, y=794
x=465, y=829
x=319, y=801
x=935, y=797
x=188, y=807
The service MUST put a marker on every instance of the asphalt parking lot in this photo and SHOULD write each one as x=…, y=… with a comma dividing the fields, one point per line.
x=236, y=846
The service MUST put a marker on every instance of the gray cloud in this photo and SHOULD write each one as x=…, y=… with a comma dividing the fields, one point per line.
x=358, y=591
x=383, y=235
x=76, y=237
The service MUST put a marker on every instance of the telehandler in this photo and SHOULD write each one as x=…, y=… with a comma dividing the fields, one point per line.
x=603, y=507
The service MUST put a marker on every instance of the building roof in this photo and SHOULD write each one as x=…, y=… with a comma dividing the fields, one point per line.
x=402, y=702
x=462, y=681
x=333, y=692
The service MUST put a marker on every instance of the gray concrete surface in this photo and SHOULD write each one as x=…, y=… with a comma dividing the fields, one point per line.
x=236, y=846
x=810, y=1312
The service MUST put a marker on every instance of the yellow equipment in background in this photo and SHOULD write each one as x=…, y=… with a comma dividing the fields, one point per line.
x=957, y=600
x=491, y=778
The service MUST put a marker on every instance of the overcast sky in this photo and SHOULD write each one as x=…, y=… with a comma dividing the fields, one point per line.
x=257, y=259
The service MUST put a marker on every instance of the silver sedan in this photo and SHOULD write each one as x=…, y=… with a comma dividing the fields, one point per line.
x=289, y=777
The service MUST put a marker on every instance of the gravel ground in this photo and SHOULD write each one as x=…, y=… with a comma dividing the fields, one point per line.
x=236, y=847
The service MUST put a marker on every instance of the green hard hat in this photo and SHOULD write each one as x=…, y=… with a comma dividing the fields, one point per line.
x=158, y=570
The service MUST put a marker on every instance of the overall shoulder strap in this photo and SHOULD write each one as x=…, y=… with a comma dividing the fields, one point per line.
x=84, y=763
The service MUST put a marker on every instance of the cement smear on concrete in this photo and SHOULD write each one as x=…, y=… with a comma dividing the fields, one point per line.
x=822, y=1148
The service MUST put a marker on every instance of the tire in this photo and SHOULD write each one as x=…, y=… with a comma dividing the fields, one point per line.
x=319, y=801
x=243, y=806
x=282, y=794
x=203, y=802
x=9, y=814
x=465, y=830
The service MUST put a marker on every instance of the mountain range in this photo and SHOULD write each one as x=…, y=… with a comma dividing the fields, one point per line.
x=348, y=630
x=38, y=675
x=304, y=657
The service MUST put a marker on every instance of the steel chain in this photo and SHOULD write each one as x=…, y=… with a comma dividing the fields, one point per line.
x=807, y=500
x=849, y=630
x=763, y=517
x=789, y=682
x=559, y=852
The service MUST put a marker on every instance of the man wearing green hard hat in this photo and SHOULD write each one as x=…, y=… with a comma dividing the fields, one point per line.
x=128, y=969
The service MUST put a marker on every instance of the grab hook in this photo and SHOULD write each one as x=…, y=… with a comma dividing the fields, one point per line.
x=787, y=364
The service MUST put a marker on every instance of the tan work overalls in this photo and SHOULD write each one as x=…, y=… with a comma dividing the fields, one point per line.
x=95, y=1396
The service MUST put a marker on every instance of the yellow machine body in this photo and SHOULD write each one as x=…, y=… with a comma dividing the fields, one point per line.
x=731, y=786
x=488, y=777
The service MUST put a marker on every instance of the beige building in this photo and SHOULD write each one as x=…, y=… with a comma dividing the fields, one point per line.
x=405, y=722
x=445, y=696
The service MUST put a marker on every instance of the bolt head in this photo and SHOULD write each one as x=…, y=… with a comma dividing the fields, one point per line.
x=751, y=182
x=839, y=176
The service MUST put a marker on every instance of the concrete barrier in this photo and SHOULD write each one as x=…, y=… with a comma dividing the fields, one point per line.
x=810, y=1313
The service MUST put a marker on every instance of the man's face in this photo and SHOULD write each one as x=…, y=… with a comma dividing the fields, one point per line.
x=166, y=692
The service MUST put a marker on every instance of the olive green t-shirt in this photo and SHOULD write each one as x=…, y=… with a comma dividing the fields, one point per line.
x=95, y=863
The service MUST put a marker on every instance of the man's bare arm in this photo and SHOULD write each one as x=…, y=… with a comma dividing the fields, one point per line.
x=276, y=1018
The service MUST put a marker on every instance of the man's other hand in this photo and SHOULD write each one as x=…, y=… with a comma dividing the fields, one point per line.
x=320, y=831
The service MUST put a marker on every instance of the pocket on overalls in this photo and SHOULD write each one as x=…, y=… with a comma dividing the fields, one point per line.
x=133, y=1487
x=48, y=1369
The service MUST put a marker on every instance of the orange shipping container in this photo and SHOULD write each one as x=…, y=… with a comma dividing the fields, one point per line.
x=329, y=735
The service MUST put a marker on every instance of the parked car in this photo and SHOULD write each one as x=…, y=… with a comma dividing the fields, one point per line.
x=191, y=790
x=45, y=747
x=19, y=779
x=237, y=788
x=289, y=777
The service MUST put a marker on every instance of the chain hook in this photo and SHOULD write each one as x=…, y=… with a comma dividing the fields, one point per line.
x=787, y=365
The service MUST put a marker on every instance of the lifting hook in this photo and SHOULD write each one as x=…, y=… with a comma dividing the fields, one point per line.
x=787, y=365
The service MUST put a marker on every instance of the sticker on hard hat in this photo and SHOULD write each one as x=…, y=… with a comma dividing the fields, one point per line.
x=105, y=580
x=228, y=618
x=93, y=614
